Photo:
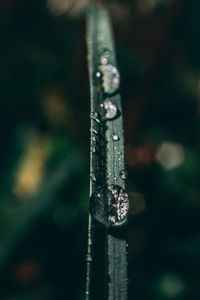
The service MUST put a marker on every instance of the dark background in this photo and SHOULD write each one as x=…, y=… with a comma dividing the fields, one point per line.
x=44, y=153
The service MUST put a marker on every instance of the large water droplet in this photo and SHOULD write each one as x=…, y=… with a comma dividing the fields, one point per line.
x=123, y=174
x=108, y=110
x=110, y=78
x=109, y=205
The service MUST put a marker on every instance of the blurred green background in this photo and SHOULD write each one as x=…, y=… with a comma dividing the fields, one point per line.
x=45, y=148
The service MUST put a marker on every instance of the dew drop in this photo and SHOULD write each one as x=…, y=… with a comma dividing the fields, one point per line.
x=110, y=78
x=94, y=116
x=93, y=130
x=115, y=137
x=93, y=177
x=93, y=138
x=123, y=174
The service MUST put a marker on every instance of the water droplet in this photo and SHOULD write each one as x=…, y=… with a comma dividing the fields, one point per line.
x=93, y=177
x=109, y=205
x=110, y=78
x=89, y=257
x=94, y=116
x=108, y=110
x=93, y=138
x=123, y=174
x=92, y=149
x=115, y=137
x=93, y=130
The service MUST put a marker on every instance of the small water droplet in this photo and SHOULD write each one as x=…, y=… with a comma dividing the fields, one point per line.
x=93, y=138
x=89, y=257
x=93, y=130
x=93, y=177
x=94, y=116
x=115, y=137
x=123, y=174
x=110, y=78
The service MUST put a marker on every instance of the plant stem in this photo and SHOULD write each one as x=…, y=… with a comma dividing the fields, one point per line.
x=107, y=255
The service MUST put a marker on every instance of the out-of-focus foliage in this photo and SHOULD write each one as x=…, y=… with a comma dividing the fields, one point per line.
x=45, y=148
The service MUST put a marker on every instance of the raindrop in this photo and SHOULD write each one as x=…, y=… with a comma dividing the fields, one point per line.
x=115, y=137
x=123, y=174
x=110, y=78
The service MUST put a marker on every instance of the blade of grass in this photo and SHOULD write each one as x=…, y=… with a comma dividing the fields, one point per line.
x=107, y=255
x=36, y=206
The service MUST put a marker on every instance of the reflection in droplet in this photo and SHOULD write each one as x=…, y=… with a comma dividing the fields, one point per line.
x=110, y=78
x=123, y=174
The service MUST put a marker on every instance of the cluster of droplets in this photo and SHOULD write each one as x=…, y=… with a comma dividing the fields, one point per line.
x=109, y=205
